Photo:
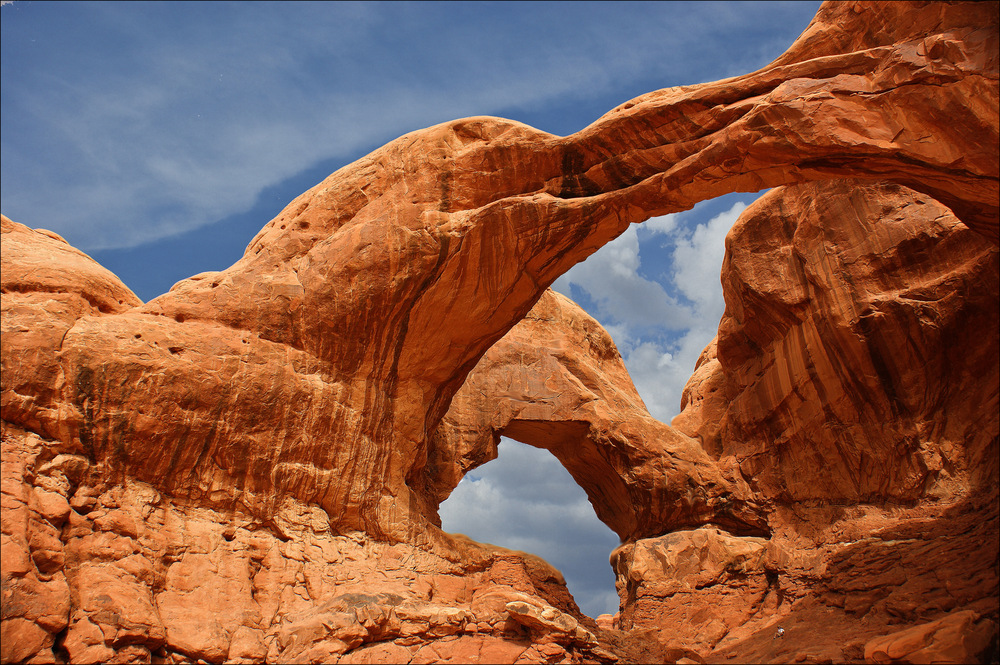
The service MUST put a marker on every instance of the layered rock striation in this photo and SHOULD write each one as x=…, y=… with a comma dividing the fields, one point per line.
x=854, y=387
x=855, y=339
x=321, y=362
x=100, y=571
x=279, y=434
x=556, y=381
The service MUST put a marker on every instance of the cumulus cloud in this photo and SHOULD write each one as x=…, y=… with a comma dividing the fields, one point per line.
x=526, y=500
x=664, y=224
x=660, y=325
x=611, y=280
x=697, y=259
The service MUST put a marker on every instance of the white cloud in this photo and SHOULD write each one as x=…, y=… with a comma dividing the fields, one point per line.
x=660, y=327
x=526, y=500
x=664, y=224
x=697, y=260
x=656, y=373
x=611, y=279
x=163, y=121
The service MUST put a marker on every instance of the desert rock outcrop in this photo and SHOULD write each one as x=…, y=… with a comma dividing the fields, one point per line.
x=852, y=341
x=556, y=381
x=318, y=364
x=279, y=434
x=96, y=571
x=853, y=386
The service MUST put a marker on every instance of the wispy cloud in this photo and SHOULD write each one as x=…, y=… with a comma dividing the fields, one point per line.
x=149, y=120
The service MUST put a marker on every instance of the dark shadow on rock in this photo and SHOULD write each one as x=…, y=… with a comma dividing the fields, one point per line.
x=909, y=574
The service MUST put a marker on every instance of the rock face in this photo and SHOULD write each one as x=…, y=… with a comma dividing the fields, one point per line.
x=248, y=467
x=855, y=346
x=853, y=386
x=556, y=381
x=96, y=571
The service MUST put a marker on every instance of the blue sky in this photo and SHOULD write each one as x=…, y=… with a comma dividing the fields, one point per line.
x=160, y=137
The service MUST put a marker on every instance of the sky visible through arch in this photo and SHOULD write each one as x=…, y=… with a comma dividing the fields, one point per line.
x=160, y=137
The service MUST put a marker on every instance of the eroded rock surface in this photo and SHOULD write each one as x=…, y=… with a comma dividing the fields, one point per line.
x=98, y=571
x=556, y=381
x=854, y=387
x=853, y=340
x=248, y=467
x=332, y=349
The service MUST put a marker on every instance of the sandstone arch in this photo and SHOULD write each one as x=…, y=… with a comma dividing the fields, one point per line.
x=325, y=385
x=556, y=381
x=319, y=364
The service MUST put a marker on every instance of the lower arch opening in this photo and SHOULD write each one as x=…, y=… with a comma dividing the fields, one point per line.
x=525, y=500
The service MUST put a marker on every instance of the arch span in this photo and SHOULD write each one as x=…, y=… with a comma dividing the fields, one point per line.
x=320, y=363
x=556, y=381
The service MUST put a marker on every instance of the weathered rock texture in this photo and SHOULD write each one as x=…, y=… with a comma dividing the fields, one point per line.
x=556, y=381
x=855, y=339
x=854, y=387
x=249, y=466
x=323, y=355
x=98, y=571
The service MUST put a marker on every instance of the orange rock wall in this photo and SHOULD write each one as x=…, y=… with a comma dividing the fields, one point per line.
x=97, y=571
x=313, y=392
x=853, y=387
x=856, y=340
x=367, y=301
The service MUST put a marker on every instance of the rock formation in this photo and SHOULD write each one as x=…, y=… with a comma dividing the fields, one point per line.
x=122, y=573
x=855, y=346
x=854, y=387
x=248, y=467
x=556, y=381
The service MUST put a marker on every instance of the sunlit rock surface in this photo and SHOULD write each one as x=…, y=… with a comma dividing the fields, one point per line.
x=856, y=339
x=556, y=381
x=854, y=388
x=248, y=467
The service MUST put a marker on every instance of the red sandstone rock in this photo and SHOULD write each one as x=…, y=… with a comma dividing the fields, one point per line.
x=956, y=638
x=340, y=303
x=547, y=624
x=275, y=434
x=149, y=577
x=556, y=381
x=47, y=286
x=683, y=584
x=855, y=372
x=854, y=346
